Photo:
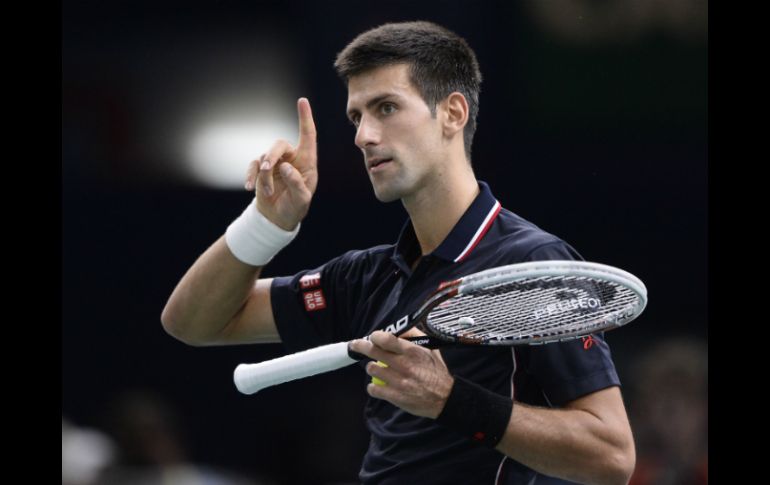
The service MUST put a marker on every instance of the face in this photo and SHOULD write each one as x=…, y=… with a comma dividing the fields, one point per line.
x=401, y=142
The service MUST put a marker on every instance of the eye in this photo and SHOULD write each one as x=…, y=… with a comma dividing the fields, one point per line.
x=354, y=120
x=387, y=108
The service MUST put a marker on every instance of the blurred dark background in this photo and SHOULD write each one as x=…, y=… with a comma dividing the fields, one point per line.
x=593, y=125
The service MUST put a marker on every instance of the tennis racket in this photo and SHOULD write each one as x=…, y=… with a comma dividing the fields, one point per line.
x=528, y=303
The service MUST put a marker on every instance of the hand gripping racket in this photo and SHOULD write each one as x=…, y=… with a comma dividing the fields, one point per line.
x=528, y=303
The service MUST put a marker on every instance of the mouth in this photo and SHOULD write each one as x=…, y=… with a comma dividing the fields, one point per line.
x=375, y=163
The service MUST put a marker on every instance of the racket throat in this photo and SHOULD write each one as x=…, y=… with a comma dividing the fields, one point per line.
x=421, y=340
x=428, y=342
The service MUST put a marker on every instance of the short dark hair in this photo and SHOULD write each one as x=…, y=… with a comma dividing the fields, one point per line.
x=440, y=61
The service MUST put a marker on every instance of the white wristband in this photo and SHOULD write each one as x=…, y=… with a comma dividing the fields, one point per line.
x=254, y=239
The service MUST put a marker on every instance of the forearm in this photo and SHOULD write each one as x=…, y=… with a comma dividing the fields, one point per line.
x=219, y=300
x=569, y=443
x=588, y=440
x=209, y=295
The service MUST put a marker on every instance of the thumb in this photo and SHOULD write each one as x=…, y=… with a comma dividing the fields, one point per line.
x=294, y=181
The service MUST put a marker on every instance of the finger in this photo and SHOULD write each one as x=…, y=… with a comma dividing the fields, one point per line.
x=381, y=373
x=251, y=173
x=367, y=348
x=383, y=392
x=388, y=341
x=265, y=177
x=281, y=150
x=378, y=382
x=294, y=182
x=307, y=132
x=276, y=152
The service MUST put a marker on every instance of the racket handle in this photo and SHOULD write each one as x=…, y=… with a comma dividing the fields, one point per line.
x=250, y=378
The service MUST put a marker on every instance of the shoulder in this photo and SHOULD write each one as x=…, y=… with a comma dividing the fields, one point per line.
x=365, y=257
x=522, y=240
x=358, y=263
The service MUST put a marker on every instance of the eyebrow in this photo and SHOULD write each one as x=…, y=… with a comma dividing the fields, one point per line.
x=372, y=102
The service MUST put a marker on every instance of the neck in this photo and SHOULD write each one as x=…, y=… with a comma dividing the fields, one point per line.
x=436, y=207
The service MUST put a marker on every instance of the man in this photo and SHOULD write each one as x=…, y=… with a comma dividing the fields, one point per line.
x=459, y=415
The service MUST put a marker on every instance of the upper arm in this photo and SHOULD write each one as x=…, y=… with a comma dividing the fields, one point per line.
x=607, y=406
x=254, y=322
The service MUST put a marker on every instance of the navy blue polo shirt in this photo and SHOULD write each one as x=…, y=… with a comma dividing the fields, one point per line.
x=361, y=291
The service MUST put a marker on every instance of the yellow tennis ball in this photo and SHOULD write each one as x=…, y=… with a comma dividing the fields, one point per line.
x=375, y=380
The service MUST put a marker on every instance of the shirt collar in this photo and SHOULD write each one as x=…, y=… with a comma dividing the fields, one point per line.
x=463, y=237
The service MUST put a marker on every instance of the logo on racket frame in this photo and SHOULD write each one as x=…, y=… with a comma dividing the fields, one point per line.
x=401, y=324
x=567, y=305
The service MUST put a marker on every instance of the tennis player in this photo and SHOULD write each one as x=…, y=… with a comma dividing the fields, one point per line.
x=516, y=415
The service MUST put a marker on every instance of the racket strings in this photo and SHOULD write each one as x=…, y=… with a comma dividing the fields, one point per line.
x=530, y=310
x=568, y=323
x=548, y=319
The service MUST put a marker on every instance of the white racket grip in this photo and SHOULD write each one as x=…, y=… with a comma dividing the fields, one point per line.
x=250, y=378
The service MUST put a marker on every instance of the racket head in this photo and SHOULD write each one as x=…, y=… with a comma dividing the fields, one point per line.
x=533, y=303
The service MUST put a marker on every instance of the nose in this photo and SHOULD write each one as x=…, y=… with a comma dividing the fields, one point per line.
x=368, y=132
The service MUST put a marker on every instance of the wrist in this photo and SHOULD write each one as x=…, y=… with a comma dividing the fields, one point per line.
x=254, y=239
x=476, y=412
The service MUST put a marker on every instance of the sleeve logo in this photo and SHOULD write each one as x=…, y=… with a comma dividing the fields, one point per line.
x=314, y=300
x=310, y=281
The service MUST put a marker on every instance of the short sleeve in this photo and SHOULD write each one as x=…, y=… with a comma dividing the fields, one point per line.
x=311, y=308
x=568, y=370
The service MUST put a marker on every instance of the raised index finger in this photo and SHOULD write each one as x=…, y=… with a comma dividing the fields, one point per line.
x=307, y=132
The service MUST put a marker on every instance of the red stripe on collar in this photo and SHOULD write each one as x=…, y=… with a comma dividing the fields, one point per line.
x=485, y=225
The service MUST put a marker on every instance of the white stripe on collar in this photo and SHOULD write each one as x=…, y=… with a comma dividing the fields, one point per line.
x=480, y=231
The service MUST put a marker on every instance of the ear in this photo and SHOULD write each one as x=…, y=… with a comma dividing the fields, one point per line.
x=455, y=108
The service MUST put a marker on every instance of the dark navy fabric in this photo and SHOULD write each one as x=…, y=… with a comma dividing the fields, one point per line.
x=366, y=290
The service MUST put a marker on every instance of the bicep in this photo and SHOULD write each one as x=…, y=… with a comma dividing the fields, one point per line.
x=254, y=322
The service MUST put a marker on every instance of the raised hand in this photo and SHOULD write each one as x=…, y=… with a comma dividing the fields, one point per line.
x=284, y=197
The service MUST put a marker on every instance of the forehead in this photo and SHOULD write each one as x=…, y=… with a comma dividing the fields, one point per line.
x=393, y=79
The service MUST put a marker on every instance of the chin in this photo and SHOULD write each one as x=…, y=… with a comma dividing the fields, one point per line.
x=389, y=190
x=387, y=194
x=394, y=187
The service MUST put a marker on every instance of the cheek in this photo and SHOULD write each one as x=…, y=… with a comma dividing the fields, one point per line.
x=417, y=137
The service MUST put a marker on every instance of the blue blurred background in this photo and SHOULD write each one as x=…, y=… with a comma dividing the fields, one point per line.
x=592, y=124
